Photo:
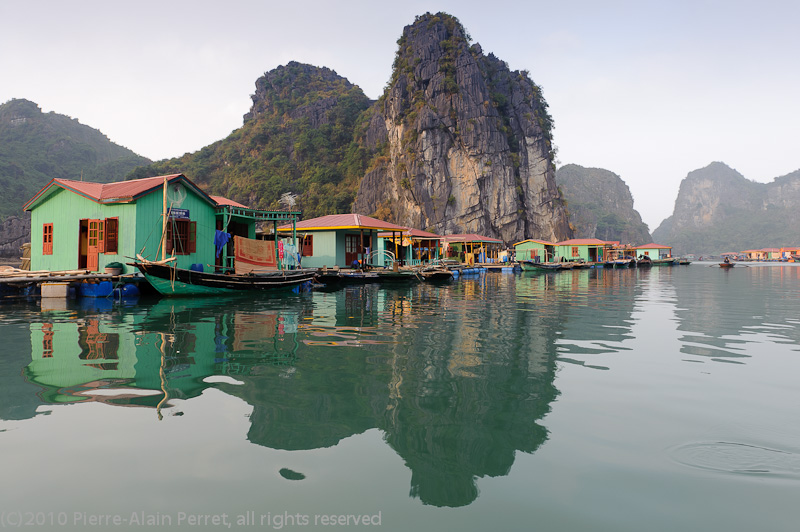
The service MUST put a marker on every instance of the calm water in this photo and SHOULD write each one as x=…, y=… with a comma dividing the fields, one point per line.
x=600, y=400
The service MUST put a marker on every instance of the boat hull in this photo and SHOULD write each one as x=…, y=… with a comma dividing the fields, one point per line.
x=171, y=281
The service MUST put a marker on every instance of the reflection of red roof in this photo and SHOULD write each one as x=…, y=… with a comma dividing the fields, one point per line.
x=225, y=201
x=582, y=242
x=343, y=221
x=471, y=237
x=653, y=246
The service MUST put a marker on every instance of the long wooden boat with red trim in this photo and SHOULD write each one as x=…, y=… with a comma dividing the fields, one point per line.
x=171, y=281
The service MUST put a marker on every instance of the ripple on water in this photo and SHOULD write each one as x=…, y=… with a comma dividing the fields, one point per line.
x=739, y=459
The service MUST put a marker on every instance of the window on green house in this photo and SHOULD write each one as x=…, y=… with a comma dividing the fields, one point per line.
x=47, y=239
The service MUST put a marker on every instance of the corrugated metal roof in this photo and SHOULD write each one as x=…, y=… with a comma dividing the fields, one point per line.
x=343, y=221
x=225, y=201
x=117, y=192
x=120, y=190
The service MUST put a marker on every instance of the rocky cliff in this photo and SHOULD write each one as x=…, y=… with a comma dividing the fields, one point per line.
x=464, y=143
x=14, y=231
x=718, y=210
x=600, y=205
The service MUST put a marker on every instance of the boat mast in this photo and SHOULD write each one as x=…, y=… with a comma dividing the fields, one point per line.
x=164, y=223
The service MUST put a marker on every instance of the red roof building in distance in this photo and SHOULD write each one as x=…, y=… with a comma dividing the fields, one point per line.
x=583, y=242
x=653, y=246
x=332, y=222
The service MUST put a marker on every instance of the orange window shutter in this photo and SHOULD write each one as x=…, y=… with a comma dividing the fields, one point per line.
x=112, y=238
x=101, y=236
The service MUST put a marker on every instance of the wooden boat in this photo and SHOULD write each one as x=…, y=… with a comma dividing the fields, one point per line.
x=644, y=262
x=726, y=265
x=663, y=262
x=436, y=274
x=620, y=263
x=529, y=265
x=341, y=277
x=400, y=276
x=171, y=281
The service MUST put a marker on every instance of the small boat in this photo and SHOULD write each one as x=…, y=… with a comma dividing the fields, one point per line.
x=340, y=277
x=400, y=276
x=529, y=265
x=726, y=265
x=171, y=281
x=644, y=262
x=436, y=274
x=664, y=262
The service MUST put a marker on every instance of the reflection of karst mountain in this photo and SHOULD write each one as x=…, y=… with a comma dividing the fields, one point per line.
x=718, y=310
x=457, y=392
x=599, y=314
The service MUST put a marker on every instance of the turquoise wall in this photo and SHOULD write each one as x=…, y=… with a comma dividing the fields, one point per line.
x=324, y=250
x=525, y=251
x=65, y=210
x=148, y=228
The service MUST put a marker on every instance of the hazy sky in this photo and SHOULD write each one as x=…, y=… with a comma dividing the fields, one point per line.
x=648, y=90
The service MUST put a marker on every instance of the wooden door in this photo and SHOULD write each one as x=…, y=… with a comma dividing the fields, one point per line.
x=93, y=248
x=351, y=248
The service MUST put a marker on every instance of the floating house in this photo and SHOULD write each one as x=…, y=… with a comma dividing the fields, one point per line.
x=84, y=225
x=581, y=250
x=654, y=251
x=535, y=250
x=340, y=239
x=412, y=247
x=472, y=248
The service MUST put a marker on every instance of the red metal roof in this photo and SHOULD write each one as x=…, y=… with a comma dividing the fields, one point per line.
x=545, y=242
x=225, y=201
x=117, y=192
x=343, y=221
x=582, y=242
x=121, y=190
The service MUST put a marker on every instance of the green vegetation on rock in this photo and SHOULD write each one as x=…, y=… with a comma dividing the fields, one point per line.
x=36, y=147
x=300, y=143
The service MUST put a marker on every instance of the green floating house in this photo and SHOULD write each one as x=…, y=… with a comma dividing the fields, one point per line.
x=84, y=225
x=582, y=250
x=535, y=250
x=341, y=239
x=654, y=251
